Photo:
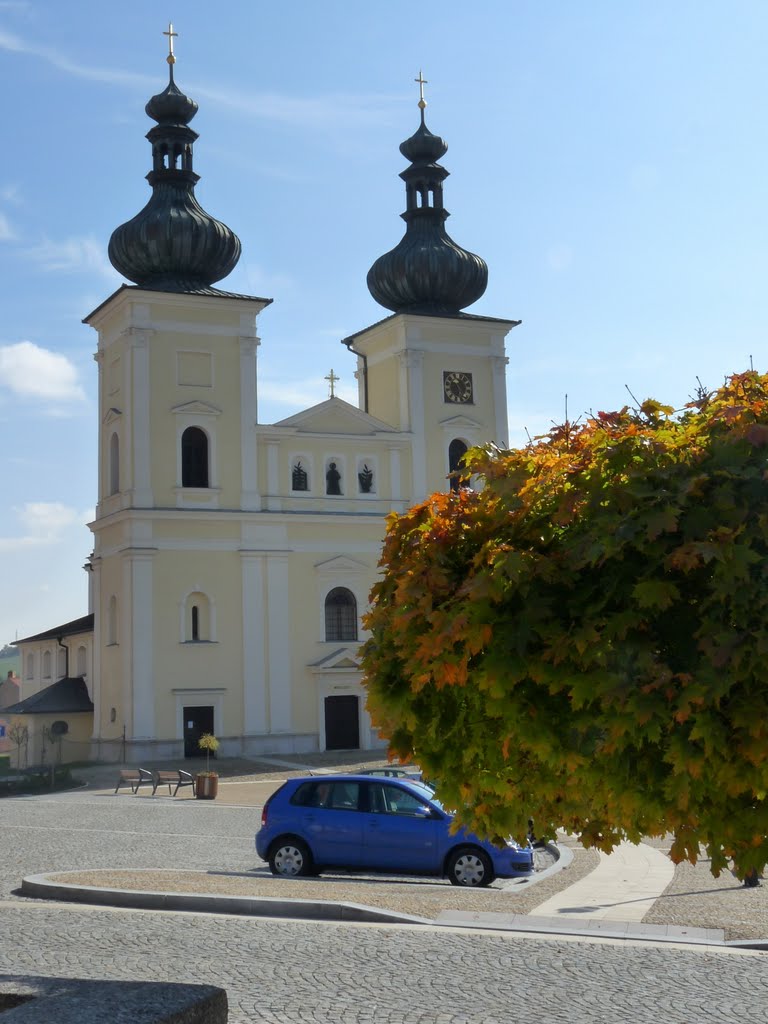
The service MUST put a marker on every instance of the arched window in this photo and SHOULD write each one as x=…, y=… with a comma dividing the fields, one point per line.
x=197, y=618
x=114, y=464
x=61, y=663
x=112, y=621
x=81, y=661
x=194, y=458
x=46, y=664
x=456, y=451
x=340, y=615
x=30, y=666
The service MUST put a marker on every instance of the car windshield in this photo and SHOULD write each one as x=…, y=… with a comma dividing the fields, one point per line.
x=429, y=793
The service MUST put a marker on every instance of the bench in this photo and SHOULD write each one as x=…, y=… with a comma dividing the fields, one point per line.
x=168, y=778
x=134, y=777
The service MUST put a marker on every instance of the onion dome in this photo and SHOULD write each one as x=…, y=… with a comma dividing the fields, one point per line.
x=427, y=272
x=173, y=244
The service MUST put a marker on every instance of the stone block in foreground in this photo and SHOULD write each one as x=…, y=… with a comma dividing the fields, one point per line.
x=26, y=999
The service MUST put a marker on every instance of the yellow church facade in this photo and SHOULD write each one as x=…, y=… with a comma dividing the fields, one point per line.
x=233, y=559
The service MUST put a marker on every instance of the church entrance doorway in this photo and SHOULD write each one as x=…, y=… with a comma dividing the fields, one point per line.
x=197, y=721
x=342, y=723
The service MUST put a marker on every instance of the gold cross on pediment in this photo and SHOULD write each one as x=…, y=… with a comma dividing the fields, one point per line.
x=331, y=378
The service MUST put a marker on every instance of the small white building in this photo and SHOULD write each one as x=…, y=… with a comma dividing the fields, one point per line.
x=232, y=559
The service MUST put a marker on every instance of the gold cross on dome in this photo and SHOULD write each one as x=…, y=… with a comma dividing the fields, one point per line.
x=171, y=36
x=422, y=82
x=331, y=378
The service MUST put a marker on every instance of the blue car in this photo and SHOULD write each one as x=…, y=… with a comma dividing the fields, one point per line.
x=371, y=824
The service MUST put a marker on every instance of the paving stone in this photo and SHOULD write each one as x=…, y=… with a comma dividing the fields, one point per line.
x=285, y=972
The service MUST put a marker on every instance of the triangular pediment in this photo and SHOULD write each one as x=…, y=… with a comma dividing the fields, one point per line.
x=460, y=422
x=341, y=564
x=345, y=658
x=196, y=408
x=335, y=416
x=111, y=415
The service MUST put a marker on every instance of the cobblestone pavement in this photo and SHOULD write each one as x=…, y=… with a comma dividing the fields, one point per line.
x=288, y=972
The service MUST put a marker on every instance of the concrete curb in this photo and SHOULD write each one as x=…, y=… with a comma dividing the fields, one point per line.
x=562, y=858
x=41, y=887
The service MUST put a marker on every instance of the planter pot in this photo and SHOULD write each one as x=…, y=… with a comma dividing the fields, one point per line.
x=206, y=787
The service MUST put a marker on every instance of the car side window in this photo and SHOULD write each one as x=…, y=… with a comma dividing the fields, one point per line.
x=339, y=796
x=393, y=800
x=345, y=796
x=305, y=795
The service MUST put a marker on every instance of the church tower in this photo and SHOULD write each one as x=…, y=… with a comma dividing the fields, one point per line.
x=431, y=369
x=177, y=405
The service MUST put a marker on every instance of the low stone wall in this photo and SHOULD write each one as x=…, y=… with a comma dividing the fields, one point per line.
x=33, y=1000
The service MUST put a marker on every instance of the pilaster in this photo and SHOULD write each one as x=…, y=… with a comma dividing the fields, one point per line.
x=254, y=644
x=279, y=663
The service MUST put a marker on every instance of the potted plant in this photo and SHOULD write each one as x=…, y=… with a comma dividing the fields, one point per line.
x=207, y=782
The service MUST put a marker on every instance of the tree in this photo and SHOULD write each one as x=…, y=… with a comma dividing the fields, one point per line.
x=19, y=735
x=584, y=640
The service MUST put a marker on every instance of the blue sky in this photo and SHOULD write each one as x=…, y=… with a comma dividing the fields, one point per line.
x=607, y=159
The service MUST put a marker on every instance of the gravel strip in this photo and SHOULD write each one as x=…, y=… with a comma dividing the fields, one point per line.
x=695, y=898
x=420, y=896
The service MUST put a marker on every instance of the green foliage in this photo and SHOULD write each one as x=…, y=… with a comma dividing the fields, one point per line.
x=584, y=640
x=210, y=745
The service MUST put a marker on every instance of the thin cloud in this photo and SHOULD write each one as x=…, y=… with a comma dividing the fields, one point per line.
x=73, y=255
x=317, y=112
x=42, y=523
x=11, y=193
x=33, y=372
x=6, y=231
x=14, y=44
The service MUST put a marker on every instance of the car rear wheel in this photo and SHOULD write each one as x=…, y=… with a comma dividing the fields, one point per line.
x=290, y=858
x=470, y=867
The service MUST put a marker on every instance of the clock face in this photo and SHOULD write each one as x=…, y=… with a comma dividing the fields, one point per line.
x=457, y=386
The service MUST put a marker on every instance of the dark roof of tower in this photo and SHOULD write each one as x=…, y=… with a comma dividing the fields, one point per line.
x=426, y=272
x=191, y=291
x=171, y=106
x=173, y=244
x=452, y=316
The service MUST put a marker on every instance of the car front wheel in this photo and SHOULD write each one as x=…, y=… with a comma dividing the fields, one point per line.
x=290, y=858
x=470, y=867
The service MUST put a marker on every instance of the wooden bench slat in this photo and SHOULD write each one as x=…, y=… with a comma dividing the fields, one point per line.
x=135, y=777
x=166, y=777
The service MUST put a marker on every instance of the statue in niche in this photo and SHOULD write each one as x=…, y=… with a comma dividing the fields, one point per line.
x=365, y=479
x=332, y=480
x=299, y=477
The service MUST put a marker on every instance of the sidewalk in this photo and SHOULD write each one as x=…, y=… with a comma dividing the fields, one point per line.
x=610, y=901
x=623, y=887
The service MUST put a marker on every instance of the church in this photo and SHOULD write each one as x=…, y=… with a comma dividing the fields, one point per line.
x=232, y=559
